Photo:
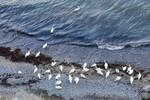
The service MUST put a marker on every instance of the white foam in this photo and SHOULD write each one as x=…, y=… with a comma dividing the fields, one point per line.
x=123, y=45
x=110, y=47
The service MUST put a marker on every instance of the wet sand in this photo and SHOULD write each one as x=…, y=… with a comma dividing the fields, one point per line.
x=94, y=87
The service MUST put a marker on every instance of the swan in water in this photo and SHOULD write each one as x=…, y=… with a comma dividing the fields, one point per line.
x=70, y=78
x=77, y=9
x=19, y=72
x=131, y=79
x=52, y=29
x=45, y=46
x=49, y=77
x=58, y=82
x=58, y=87
x=76, y=79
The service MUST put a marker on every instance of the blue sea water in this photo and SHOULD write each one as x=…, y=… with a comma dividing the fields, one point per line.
x=110, y=24
x=118, y=29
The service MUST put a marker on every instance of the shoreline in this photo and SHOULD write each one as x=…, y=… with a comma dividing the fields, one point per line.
x=16, y=56
x=17, y=61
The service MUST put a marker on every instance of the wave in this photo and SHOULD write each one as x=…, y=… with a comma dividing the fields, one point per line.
x=100, y=45
x=124, y=45
x=110, y=46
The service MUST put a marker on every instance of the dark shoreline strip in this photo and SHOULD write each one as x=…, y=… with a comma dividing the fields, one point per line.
x=18, y=56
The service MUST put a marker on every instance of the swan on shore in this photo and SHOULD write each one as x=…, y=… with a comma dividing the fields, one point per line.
x=72, y=70
x=57, y=76
x=48, y=71
x=124, y=68
x=139, y=76
x=83, y=76
x=99, y=71
x=105, y=65
x=37, y=54
x=131, y=79
x=118, y=78
x=94, y=65
x=131, y=71
x=53, y=63
x=35, y=70
x=84, y=68
x=117, y=70
x=61, y=68
x=27, y=54
x=39, y=75
x=129, y=68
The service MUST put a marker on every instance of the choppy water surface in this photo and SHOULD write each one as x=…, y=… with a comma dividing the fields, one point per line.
x=108, y=23
x=103, y=24
x=112, y=30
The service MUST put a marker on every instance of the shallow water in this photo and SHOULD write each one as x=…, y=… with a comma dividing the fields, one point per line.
x=113, y=30
x=98, y=87
x=91, y=88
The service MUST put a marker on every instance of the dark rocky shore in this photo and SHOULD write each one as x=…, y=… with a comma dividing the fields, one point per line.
x=28, y=79
x=18, y=56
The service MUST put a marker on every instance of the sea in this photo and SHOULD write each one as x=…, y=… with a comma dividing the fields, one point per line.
x=114, y=30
